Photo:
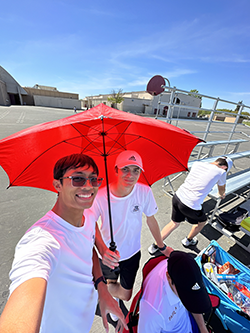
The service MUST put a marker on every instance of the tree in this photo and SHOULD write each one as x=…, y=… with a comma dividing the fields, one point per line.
x=200, y=112
x=116, y=97
x=197, y=96
x=238, y=107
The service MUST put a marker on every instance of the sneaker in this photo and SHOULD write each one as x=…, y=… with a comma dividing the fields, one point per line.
x=112, y=316
x=187, y=243
x=153, y=249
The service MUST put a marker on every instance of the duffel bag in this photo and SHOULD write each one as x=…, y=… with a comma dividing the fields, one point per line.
x=232, y=220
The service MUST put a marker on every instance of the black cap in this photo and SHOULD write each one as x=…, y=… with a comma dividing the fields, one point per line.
x=187, y=278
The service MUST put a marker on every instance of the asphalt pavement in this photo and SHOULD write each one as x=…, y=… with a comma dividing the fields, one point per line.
x=21, y=207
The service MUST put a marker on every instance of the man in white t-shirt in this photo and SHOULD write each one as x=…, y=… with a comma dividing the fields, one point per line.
x=188, y=199
x=174, y=297
x=129, y=200
x=56, y=271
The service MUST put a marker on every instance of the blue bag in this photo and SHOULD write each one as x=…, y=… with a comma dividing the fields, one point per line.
x=231, y=315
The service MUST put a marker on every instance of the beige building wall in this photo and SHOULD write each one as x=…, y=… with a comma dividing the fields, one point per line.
x=227, y=119
x=50, y=93
x=134, y=102
x=179, y=99
x=134, y=105
x=57, y=102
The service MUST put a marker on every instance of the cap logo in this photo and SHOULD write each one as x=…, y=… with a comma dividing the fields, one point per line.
x=196, y=287
x=132, y=158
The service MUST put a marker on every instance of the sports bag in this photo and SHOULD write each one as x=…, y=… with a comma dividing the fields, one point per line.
x=232, y=220
x=133, y=314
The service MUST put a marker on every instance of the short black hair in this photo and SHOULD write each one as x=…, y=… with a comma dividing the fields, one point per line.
x=72, y=162
x=222, y=161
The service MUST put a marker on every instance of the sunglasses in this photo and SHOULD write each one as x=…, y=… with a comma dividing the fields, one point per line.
x=78, y=181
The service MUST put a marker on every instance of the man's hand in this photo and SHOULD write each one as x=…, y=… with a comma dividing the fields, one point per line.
x=167, y=251
x=222, y=191
x=107, y=305
x=223, y=195
x=110, y=258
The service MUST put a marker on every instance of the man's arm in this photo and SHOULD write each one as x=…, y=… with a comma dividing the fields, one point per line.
x=155, y=231
x=24, y=309
x=200, y=322
x=222, y=190
x=109, y=258
x=107, y=303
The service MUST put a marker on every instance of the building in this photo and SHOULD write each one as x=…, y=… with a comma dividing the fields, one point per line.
x=10, y=90
x=134, y=102
x=161, y=105
x=143, y=102
x=11, y=93
x=227, y=119
x=51, y=97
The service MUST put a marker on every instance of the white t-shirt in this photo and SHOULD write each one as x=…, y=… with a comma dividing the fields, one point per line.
x=126, y=217
x=161, y=310
x=60, y=253
x=199, y=182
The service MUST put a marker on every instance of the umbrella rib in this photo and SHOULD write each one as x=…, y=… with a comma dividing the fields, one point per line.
x=90, y=142
x=45, y=151
x=120, y=135
x=140, y=136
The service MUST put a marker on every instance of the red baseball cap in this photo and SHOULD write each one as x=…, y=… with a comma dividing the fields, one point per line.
x=128, y=157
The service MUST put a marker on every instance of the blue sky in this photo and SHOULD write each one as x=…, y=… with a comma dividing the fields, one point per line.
x=92, y=47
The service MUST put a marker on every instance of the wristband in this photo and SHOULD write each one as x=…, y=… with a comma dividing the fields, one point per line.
x=100, y=279
x=162, y=248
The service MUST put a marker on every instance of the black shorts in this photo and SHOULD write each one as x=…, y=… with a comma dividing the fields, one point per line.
x=180, y=212
x=128, y=270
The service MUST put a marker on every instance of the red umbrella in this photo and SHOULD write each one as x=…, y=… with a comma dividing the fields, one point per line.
x=28, y=157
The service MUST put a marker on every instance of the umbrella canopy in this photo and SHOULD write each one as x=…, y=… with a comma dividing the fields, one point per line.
x=28, y=157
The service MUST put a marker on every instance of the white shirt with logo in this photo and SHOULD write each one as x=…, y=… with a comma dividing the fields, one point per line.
x=126, y=217
x=161, y=310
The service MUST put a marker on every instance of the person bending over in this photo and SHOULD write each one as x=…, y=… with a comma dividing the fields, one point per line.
x=188, y=199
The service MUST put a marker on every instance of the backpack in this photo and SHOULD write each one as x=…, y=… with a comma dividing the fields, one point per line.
x=232, y=220
x=132, y=317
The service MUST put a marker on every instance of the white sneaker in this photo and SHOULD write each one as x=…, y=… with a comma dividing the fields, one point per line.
x=112, y=316
x=187, y=243
x=153, y=249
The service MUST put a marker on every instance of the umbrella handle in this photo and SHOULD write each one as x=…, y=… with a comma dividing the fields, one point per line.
x=112, y=247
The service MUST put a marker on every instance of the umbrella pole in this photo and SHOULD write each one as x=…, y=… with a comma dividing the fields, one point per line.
x=112, y=246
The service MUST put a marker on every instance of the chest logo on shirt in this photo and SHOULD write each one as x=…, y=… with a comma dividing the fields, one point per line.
x=135, y=208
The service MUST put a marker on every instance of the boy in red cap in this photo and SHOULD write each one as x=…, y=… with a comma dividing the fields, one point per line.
x=129, y=200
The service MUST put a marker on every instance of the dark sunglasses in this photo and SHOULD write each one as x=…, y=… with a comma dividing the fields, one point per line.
x=78, y=181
